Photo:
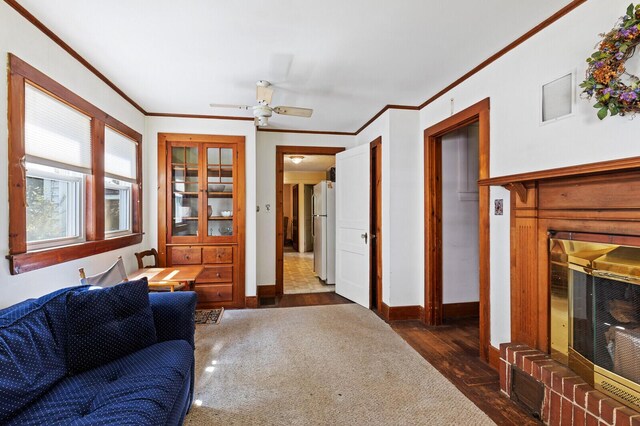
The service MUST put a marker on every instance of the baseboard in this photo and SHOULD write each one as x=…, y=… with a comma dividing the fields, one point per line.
x=494, y=357
x=461, y=310
x=402, y=313
x=251, y=302
x=267, y=290
x=384, y=312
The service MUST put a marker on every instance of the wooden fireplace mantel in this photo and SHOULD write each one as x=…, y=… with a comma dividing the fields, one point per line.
x=599, y=198
x=611, y=166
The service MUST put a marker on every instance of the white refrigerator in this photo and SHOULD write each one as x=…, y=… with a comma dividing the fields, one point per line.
x=324, y=231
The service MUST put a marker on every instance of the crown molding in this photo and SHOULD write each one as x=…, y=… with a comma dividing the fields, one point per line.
x=39, y=25
x=306, y=132
x=204, y=116
x=535, y=30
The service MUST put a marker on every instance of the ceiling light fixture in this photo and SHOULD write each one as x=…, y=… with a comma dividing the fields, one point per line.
x=296, y=159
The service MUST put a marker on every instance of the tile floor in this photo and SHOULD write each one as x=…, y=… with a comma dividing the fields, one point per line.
x=299, y=276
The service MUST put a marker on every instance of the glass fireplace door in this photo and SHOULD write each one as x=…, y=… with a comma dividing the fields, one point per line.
x=602, y=316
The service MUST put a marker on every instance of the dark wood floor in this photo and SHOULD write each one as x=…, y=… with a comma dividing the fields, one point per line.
x=453, y=349
x=306, y=299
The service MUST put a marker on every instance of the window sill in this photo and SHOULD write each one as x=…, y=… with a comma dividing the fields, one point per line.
x=31, y=261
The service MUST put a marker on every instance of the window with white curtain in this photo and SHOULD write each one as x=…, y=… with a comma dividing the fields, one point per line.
x=120, y=169
x=73, y=175
x=57, y=141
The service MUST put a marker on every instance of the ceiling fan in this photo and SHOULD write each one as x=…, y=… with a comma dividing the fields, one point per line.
x=262, y=111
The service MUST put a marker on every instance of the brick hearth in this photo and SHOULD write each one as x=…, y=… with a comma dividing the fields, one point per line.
x=568, y=399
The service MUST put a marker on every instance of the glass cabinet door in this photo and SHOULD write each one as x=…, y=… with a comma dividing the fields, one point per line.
x=185, y=191
x=220, y=192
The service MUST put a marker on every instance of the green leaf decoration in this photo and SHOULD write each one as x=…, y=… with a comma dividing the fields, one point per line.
x=613, y=109
x=613, y=95
x=602, y=113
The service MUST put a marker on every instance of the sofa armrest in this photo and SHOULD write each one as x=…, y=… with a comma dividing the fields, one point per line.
x=174, y=315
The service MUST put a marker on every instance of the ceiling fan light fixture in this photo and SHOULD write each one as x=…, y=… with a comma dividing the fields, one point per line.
x=296, y=159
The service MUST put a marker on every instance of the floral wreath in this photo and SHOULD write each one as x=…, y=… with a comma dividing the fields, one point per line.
x=607, y=66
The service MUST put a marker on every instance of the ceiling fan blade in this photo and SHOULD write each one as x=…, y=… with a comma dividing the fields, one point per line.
x=264, y=94
x=243, y=107
x=295, y=111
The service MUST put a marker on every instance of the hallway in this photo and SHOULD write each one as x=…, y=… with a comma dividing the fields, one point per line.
x=299, y=276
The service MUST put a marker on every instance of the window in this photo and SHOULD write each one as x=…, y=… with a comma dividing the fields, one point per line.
x=120, y=169
x=117, y=207
x=74, y=178
x=57, y=145
x=54, y=207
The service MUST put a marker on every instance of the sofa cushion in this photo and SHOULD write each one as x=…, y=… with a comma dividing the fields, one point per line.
x=107, y=324
x=138, y=389
x=32, y=350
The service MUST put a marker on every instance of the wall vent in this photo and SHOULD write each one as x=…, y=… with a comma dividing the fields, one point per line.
x=557, y=98
x=527, y=392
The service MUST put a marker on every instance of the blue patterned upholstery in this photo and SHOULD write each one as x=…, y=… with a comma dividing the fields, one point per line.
x=108, y=323
x=174, y=315
x=32, y=349
x=153, y=385
x=139, y=389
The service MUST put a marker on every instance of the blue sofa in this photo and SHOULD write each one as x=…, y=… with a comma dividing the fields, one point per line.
x=41, y=381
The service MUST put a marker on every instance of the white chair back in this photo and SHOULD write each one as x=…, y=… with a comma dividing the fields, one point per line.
x=112, y=276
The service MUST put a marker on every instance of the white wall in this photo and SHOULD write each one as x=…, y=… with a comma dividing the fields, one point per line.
x=518, y=142
x=460, y=275
x=402, y=201
x=302, y=179
x=406, y=186
x=21, y=38
x=500, y=268
x=266, y=191
x=155, y=125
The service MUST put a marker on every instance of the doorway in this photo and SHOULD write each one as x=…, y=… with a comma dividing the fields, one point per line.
x=375, y=223
x=455, y=130
x=301, y=271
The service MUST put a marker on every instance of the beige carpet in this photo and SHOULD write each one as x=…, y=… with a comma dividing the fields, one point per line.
x=322, y=365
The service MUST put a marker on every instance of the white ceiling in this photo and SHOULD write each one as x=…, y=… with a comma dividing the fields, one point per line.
x=311, y=163
x=344, y=59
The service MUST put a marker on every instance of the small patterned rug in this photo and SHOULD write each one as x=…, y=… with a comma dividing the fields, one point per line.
x=209, y=316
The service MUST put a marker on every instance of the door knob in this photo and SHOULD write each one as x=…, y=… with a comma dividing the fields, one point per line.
x=365, y=237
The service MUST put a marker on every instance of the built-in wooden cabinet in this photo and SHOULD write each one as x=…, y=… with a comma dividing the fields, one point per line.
x=201, y=212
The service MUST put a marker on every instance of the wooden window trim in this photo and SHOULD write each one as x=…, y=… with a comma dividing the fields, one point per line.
x=20, y=259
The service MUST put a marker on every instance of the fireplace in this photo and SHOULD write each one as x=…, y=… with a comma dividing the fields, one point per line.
x=595, y=311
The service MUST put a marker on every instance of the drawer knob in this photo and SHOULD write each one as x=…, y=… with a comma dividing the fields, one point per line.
x=186, y=257
x=219, y=295
x=218, y=275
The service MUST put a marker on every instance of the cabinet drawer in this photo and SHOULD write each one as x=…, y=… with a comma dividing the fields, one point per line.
x=217, y=254
x=208, y=293
x=216, y=274
x=186, y=255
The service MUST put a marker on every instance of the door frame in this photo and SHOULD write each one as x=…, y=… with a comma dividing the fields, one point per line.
x=477, y=113
x=375, y=226
x=281, y=152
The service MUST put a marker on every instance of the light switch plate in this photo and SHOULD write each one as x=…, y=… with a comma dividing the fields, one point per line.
x=499, y=207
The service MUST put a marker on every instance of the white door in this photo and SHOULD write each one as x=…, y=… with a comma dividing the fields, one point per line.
x=352, y=224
